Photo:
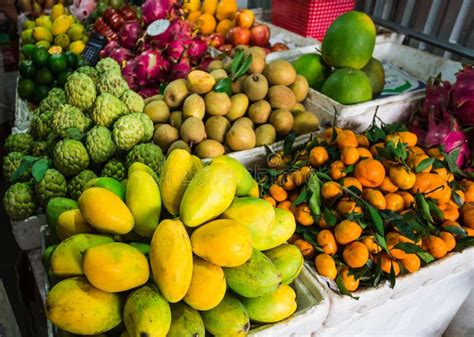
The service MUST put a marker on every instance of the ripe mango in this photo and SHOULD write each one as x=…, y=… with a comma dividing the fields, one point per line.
x=43, y=21
x=105, y=211
x=254, y=191
x=288, y=260
x=197, y=163
x=207, y=287
x=61, y=24
x=147, y=313
x=272, y=307
x=243, y=178
x=75, y=306
x=222, y=242
x=228, y=319
x=144, y=201
x=56, y=11
x=42, y=34
x=72, y=222
x=108, y=183
x=282, y=230
x=257, y=277
x=257, y=215
x=115, y=267
x=137, y=166
x=76, y=32
x=208, y=194
x=77, y=47
x=66, y=260
x=185, y=322
x=55, y=207
x=177, y=173
x=171, y=259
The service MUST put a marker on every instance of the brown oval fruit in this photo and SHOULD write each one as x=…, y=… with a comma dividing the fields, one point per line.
x=175, y=93
x=216, y=64
x=218, y=74
x=259, y=111
x=282, y=121
x=176, y=119
x=305, y=122
x=245, y=121
x=193, y=130
x=300, y=88
x=217, y=127
x=266, y=134
x=280, y=72
x=217, y=103
x=194, y=106
x=256, y=87
x=209, y=148
x=165, y=135
x=240, y=138
x=158, y=111
x=179, y=144
x=257, y=65
x=281, y=97
x=238, y=107
x=200, y=82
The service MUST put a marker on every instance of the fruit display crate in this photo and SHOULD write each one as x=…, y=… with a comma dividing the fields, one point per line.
x=420, y=304
x=405, y=67
x=27, y=232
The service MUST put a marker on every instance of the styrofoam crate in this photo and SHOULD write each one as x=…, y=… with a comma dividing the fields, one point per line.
x=27, y=231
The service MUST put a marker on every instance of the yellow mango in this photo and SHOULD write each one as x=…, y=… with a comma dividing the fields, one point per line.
x=137, y=166
x=66, y=260
x=146, y=313
x=76, y=32
x=273, y=307
x=257, y=215
x=228, y=319
x=288, y=260
x=171, y=259
x=43, y=21
x=74, y=305
x=185, y=322
x=42, y=34
x=77, y=47
x=207, y=287
x=209, y=193
x=282, y=230
x=56, y=11
x=72, y=222
x=111, y=184
x=178, y=171
x=222, y=242
x=254, y=191
x=243, y=178
x=144, y=201
x=105, y=211
x=197, y=162
x=61, y=24
x=115, y=267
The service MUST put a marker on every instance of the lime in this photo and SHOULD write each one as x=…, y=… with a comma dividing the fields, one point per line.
x=376, y=74
x=81, y=61
x=71, y=60
x=27, y=49
x=62, y=40
x=40, y=56
x=313, y=68
x=43, y=44
x=26, y=88
x=28, y=24
x=27, y=69
x=57, y=63
x=44, y=76
x=41, y=91
x=62, y=77
x=348, y=86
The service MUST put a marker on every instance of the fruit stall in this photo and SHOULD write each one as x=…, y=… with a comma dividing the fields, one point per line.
x=188, y=168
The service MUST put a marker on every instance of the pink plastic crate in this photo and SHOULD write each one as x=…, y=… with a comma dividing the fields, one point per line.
x=308, y=17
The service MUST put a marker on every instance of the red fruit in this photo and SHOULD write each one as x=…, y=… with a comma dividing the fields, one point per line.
x=260, y=35
x=197, y=49
x=130, y=33
x=463, y=95
x=279, y=47
x=128, y=13
x=154, y=9
x=100, y=25
x=239, y=35
x=216, y=40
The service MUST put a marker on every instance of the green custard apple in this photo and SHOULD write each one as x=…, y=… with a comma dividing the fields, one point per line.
x=77, y=183
x=53, y=100
x=114, y=168
x=53, y=184
x=41, y=126
x=70, y=157
x=112, y=83
x=11, y=162
x=148, y=126
x=99, y=144
x=127, y=132
x=67, y=117
x=133, y=101
x=19, y=142
x=40, y=149
x=107, y=109
x=19, y=201
x=107, y=65
x=149, y=154
x=80, y=91
x=89, y=71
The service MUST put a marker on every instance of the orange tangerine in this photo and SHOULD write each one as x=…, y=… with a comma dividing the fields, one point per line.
x=350, y=283
x=331, y=190
x=388, y=186
x=369, y=172
x=401, y=177
x=375, y=198
x=355, y=254
x=336, y=170
x=346, y=138
x=411, y=262
x=318, y=156
x=326, y=266
x=326, y=240
x=394, y=202
x=349, y=155
x=347, y=231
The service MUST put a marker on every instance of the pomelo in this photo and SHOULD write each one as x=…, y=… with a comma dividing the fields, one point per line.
x=376, y=74
x=349, y=41
x=313, y=68
x=348, y=86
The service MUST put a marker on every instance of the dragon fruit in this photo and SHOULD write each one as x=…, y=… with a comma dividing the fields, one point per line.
x=176, y=49
x=151, y=67
x=148, y=92
x=130, y=33
x=437, y=97
x=154, y=10
x=197, y=49
x=129, y=74
x=181, y=69
x=121, y=55
x=462, y=95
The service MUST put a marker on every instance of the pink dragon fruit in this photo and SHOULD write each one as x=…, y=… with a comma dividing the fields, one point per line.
x=129, y=74
x=148, y=92
x=462, y=95
x=437, y=97
x=197, y=49
x=121, y=55
x=130, y=33
x=151, y=67
x=204, y=64
x=181, y=69
x=180, y=30
x=154, y=9
x=176, y=49
x=109, y=47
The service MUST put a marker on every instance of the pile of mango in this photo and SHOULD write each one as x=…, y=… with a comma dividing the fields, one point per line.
x=214, y=259
x=370, y=207
x=59, y=29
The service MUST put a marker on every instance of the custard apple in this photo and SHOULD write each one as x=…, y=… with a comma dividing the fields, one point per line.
x=67, y=117
x=107, y=64
x=149, y=154
x=40, y=126
x=80, y=91
x=19, y=142
x=55, y=98
x=77, y=183
x=70, y=157
x=114, y=168
x=53, y=184
x=148, y=126
x=133, y=101
x=128, y=131
x=88, y=123
x=11, y=162
x=107, y=109
x=51, y=142
x=19, y=201
x=112, y=83
x=99, y=144
x=89, y=71
x=40, y=149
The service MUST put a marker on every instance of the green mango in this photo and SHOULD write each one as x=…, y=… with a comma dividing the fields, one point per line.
x=282, y=230
x=185, y=322
x=272, y=307
x=108, y=183
x=243, y=178
x=46, y=258
x=228, y=319
x=55, y=207
x=142, y=247
x=137, y=166
x=288, y=260
x=256, y=277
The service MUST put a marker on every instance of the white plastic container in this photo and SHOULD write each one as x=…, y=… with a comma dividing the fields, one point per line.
x=387, y=35
x=27, y=232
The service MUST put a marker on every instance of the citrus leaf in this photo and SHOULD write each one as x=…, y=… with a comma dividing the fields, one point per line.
x=302, y=197
x=224, y=85
x=391, y=276
x=323, y=176
x=450, y=159
x=375, y=219
x=423, y=205
x=329, y=217
x=408, y=247
x=457, y=199
x=288, y=144
x=39, y=168
x=464, y=243
x=310, y=239
x=348, y=169
x=425, y=256
x=455, y=230
x=342, y=288
x=381, y=241
x=424, y=164
x=314, y=185
x=25, y=164
x=239, y=55
x=244, y=67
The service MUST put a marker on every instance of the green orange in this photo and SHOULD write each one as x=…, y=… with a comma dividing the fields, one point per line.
x=348, y=86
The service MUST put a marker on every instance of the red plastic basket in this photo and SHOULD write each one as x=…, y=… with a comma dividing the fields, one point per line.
x=308, y=17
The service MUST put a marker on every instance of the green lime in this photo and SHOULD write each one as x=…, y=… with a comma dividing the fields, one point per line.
x=376, y=74
x=27, y=69
x=71, y=60
x=81, y=61
x=57, y=63
x=44, y=76
x=28, y=24
x=348, y=86
x=27, y=49
x=43, y=44
x=25, y=88
x=62, y=40
x=62, y=77
x=313, y=68
x=40, y=56
x=41, y=91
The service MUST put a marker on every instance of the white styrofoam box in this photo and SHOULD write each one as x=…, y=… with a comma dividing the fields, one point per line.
x=27, y=232
x=420, y=304
x=22, y=113
x=416, y=63
x=463, y=324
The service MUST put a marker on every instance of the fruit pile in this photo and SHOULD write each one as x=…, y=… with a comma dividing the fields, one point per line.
x=345, y=71
x=222, y=264
x=233, y=106
x=95, y=126
x=372, y=206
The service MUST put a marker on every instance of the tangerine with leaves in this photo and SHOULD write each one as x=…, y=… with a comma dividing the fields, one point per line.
x=347, y=231
x=337, y=170
x=318, y=156
x=402, y=177
x=351, y=181
x=326, y=266
x=331, y=190
x=364, y=153
x=362, y=141
x=372, y=246
x=349, y=155
x=387, y=264
x=346, y=138
x=407, y=137
x=326, y=240
x=349, y=281
x=448, y=239
x=355, y=254
x=370, y=172
x=307, y=249
x=411, y=262
x=436, y=246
